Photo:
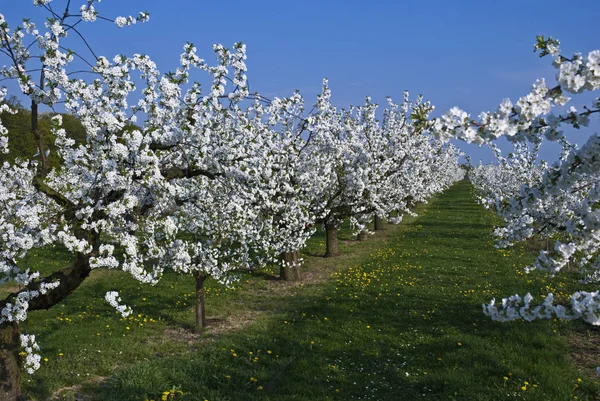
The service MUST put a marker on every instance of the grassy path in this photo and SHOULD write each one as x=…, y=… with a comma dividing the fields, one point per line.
x=400, y=321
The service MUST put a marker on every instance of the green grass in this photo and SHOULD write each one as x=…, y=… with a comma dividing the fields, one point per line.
x=395, y=318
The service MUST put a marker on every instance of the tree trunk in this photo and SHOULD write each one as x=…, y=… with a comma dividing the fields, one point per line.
x=379, y=223
x=10, y=364
x=35, y=130
x=363, y=235
x=331, y=239
x=290, y=266
x=200, y=308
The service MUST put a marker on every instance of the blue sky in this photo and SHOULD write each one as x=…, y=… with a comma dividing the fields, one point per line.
x=466, y=53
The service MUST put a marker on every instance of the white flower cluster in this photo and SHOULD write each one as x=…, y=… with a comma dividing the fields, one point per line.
x=32, y=358
x=127, y=21
x=531, y=118
x=113, y=298
x=4, y=108
x=88, y=13
x=584, y=305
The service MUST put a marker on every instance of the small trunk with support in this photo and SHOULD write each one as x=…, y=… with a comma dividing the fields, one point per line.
x=200, y=308
x=10, y=364
x=331, y=239
x=290, y=266
x=363, y=235
x=379, y=222
x=410, y=202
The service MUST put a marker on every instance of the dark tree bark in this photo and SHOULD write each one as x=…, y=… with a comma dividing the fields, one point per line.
x=200, y=307
x=10, y=363
x=331, y=239
x=379, y=222
x=290, y=266
x=69, y=279
x=35, y=130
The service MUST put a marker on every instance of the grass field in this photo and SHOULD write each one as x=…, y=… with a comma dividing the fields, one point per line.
x=395, y=318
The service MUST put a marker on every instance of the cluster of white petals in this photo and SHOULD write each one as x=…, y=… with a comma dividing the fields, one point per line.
x=114, y=300
x=584, y=305
x=31, y=348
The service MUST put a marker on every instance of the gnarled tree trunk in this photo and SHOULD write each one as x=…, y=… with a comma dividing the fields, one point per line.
x=200, y=308
x=331, y=240
x=10, y=364
x=379, y=222
x=290, y=266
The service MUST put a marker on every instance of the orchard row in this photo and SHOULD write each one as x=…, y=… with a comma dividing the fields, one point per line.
x=170, y=176
x=556, y=202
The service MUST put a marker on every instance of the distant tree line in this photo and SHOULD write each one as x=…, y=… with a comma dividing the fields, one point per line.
x=23, y=145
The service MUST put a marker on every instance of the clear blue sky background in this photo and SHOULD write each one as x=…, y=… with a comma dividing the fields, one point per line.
x=466, y=53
